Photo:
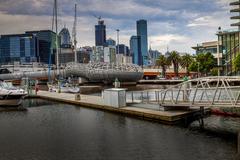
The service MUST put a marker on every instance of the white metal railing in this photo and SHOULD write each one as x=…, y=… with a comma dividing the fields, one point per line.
x=207, y=92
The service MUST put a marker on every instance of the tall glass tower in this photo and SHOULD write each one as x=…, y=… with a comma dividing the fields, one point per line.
x=135, y=50
x=142, y=33
x=100, y=34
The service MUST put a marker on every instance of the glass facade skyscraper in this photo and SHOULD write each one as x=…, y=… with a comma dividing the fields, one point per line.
x=143, y=34
x=229, y=47
x=65, y=38
x=229, y=42
x=111, y=42
x=18, y=47
x=33, y=46
x=46, y=45
x=135, y=50
x=100, y=34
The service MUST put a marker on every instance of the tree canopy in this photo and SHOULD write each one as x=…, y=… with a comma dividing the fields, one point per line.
x=204, y=63
x=236, y=63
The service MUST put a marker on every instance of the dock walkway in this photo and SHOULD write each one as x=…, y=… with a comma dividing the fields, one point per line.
x=97, y=102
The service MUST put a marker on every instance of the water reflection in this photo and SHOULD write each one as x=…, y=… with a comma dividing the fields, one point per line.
x=61, y=131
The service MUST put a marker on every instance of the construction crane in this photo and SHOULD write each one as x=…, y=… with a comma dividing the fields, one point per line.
x=74, y=34
x=98, y=17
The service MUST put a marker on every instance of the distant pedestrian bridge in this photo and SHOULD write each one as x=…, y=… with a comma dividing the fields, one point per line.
x=96, y=72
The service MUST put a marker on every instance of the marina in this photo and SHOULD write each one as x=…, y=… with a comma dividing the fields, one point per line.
x=142, y=94
x=65, y=131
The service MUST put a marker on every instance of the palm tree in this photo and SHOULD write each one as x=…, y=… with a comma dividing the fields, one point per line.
x=162, y=62
x=175, y=58
x=186, y=61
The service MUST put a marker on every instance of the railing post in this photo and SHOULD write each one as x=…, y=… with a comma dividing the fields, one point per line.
x=132, y=97
x=142, y=96
x=158, y=97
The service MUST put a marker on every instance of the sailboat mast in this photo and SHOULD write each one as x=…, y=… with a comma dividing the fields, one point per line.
x=56, y=23
x=75, y=34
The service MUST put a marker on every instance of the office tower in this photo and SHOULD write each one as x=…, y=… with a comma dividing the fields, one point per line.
x=135, y=50
x=65, y=38
x=100, y=34
x=18, y=47
x=111, y=42
x=142, y=33
x=46, y=45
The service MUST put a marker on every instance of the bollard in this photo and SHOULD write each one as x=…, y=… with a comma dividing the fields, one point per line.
x=77, y=97
x=142, y=96
x=117, y=83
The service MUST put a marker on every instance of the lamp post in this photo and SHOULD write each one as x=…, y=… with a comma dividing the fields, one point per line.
x=198, y=69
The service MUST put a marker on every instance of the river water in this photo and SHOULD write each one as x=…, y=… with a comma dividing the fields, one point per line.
x=55, y=131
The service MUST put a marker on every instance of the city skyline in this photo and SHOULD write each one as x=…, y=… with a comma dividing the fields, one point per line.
x=173, y=24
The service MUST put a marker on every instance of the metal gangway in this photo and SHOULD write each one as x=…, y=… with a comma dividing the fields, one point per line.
x=219, y=91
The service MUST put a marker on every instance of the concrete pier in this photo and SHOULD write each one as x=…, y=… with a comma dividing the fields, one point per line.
x=96, y=102
x=238, y=143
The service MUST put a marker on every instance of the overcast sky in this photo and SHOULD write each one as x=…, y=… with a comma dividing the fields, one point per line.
x=179, y=24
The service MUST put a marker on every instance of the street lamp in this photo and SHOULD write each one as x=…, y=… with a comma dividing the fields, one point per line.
x=198, y=69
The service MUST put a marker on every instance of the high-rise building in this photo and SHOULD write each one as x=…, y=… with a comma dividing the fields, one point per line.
x=111, y=42
x=135, y=50
x=229, y=42
x=83, y=54
x=19, y=47
x=100, y=34
x=66, y=53
x=46, y=45
x=65, y=38
x=154, y=55
x=110, y=54
x=97, y=54
x=123, y=49
x=143, y=34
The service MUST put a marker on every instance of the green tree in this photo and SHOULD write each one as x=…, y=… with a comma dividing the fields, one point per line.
x=236, y=63
x=186, y=61
x=175, y=58
x=193, y=66
x=163, y=63
x=206, y=62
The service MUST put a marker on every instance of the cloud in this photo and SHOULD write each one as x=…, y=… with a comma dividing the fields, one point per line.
x=179, y=24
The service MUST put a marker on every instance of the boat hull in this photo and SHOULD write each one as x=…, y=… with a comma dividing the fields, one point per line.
x=11, y=100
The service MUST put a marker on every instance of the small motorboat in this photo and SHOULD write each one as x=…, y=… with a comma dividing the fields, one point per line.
x=10, y=96
x=63, y=88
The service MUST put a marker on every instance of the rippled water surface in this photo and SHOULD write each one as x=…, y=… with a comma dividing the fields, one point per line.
x=52, y=131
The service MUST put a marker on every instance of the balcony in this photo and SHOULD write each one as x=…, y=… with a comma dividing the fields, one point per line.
x=236, y=24
x=235, y=10
x=235, y=17
x=235, y=3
